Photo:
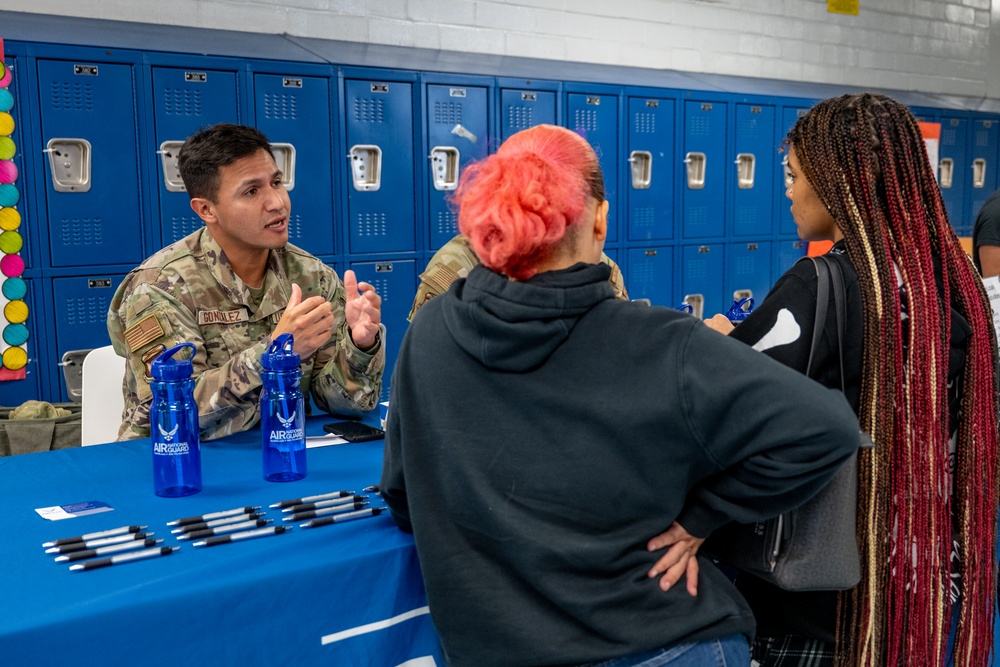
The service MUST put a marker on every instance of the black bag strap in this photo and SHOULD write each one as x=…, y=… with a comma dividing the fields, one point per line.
x=828, y=273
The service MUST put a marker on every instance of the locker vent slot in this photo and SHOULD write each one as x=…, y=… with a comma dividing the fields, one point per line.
x=645, y=123
x=183, y=225
x=81, y=232
x=372, y=224
x=697, y=219
x=182, y=102
x=644, y=217
x=72, y=96
x=87, y=310
x=750, y=127
x=368, y=111
x=584, y=120
x=381, y=285
x=746, y=216
x=982, y=138
x=447, y=223
x=519, y=118
x=699, y=126
x=643, y=273
x=447, y=113
x=948, y=136
x=281, y=106
x=295, y=226
x=746, y=265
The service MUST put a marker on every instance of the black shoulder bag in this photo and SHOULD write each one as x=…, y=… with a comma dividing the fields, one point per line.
x=814, y=547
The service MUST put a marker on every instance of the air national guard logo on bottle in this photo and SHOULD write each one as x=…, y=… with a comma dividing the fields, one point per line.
x=165, y=445
x=289, y=432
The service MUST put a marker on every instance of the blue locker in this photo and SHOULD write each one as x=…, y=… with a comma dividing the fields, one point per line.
x=595, y=118
x=702, y=271
x=380, y=192
x=952, y=170
x=396, y=282
x=650, y=175
x=185, y=100
x=749, y=269
x=704, y=176
x=81, y=313
x=613, y=254
x=651, y=275
x=522, y=108
x=756, y=153
x=788, y=252
x=15, y=392
x=984, y=168
x=458, y=133
x=786, y=224
x=87, y=112
x=294, y=112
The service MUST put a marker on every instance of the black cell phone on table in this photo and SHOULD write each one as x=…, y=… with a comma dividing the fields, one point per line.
x=354, y=431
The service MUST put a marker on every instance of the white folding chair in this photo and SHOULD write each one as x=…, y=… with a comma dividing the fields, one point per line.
x=102, y=402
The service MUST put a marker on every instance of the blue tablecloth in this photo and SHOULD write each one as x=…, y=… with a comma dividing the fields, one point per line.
x=346, y=594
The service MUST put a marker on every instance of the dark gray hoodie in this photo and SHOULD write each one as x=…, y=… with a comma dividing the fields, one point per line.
x=540, y=432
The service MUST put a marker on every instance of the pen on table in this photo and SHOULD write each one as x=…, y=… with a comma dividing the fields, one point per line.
x=103, y=542
x=338, y=518
x=237, y=518
x=91, y=536
x=213, y=515
x=239, y=537
x=371, y=489
x=310, y=499
x=299, y=516
x=124, y=558
x=305, y=507
x=103, y=551
x=221, y=530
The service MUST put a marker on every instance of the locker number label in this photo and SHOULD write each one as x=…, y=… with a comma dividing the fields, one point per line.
x=291, y=83
x=196, y=77
x=456, y=92
x=385, y=267
x=596, y=101
x=85, y=70
x=652, y=104
x=380, y=88
x=528, y=97
x=93, y=283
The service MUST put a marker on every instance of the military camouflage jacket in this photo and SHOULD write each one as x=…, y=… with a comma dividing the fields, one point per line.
x=188, y=292
x=456, y=258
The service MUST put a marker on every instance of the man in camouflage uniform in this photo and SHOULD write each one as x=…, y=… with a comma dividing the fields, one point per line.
x=456, y=258
x=231, y=286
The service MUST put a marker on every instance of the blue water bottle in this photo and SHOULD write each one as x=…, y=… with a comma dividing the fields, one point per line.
x=740, y=310
x=282, y=413
x=173, y=423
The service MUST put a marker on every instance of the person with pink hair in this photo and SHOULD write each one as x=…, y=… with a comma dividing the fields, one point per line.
x=530, y=494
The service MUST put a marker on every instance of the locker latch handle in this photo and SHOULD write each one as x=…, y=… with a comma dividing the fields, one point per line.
x=697, y=303
x=642, y=169
x=695, y=170
x=69, y=162
x=978, y=173
x=947, y=172
x=445, y=167
x=740, y=294
x=366, y=167
x=168, y=152
x=745, y=165
x=284, y=158
x=787, y=172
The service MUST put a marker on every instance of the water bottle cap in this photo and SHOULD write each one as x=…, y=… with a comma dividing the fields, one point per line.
x=167, y=369
x=686, y=307
x=279, y=356
x=740, y=309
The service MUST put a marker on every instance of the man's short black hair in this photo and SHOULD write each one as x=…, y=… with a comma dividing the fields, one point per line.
x=213, y=147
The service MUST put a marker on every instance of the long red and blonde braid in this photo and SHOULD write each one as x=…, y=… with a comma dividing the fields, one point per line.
x=866, y=159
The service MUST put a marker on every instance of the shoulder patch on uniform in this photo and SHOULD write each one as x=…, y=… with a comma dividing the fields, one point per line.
x=142, y=332
x=222, y=316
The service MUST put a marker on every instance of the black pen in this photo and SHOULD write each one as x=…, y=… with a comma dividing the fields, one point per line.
x=309, y=499
x=236, y=518
x=305, y=507
x=327, y=520
x=222, y=530
x=93, y=544
x=371, y=489
x=123, y=558
x=104, y=551
x=238, y=537
x=299, y=516
x=91, y=536
x=213, y=515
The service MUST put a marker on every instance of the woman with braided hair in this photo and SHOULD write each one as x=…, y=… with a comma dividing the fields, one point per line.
x=918, y=365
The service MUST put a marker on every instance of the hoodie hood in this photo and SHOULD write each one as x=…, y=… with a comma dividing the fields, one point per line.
x=516, y=326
